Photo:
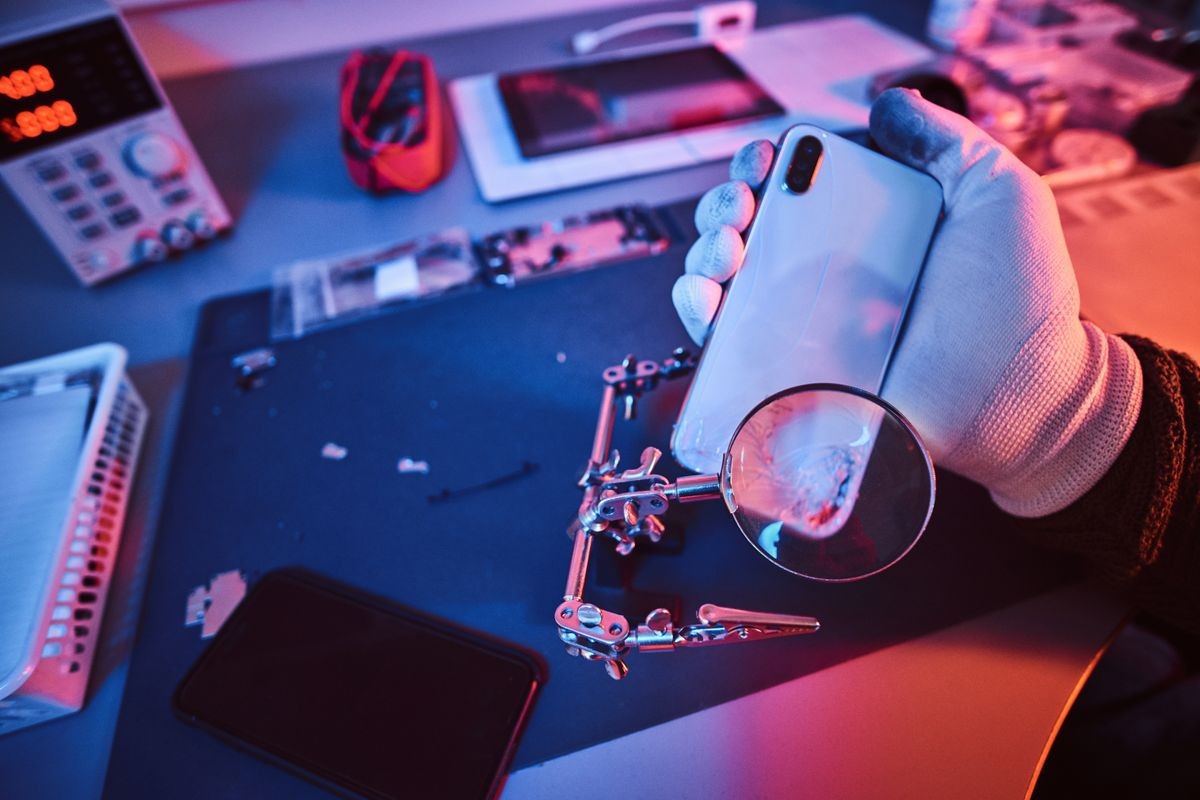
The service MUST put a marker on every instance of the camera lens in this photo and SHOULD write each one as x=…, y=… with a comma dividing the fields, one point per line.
x=803, y=167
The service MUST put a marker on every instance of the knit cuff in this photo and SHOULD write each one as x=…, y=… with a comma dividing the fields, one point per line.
x=1082, y=435
x=1121, y=524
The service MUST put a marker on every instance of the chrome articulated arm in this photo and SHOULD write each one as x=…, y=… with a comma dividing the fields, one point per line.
x=624, y=506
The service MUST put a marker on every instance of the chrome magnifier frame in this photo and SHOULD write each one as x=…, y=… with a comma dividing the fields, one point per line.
x=728, y=494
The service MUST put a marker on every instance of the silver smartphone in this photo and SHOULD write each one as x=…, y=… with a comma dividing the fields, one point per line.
x=832, y=259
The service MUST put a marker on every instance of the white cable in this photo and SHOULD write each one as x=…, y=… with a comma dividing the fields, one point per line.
x=586, y=41
x=711, y=22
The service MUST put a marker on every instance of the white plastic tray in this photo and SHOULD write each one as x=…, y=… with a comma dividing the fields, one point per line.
x=70, y=430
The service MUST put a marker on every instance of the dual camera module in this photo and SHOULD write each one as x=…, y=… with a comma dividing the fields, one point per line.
x=806, y=159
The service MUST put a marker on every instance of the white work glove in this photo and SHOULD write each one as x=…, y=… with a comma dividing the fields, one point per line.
x=995, y=369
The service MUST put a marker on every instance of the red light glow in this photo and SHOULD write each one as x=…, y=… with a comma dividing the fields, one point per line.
x=43, y=119
x=21, y=83
x=31, y=123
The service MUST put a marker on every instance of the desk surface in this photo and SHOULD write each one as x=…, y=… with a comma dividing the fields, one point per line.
x=968, y=711
x=287, y=188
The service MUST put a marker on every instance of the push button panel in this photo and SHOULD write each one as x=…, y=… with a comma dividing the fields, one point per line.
x=102, y=197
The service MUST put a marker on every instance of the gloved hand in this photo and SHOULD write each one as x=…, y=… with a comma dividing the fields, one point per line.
x=995, y=369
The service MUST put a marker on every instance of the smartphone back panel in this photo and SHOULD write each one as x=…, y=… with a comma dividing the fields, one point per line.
x=822, y=293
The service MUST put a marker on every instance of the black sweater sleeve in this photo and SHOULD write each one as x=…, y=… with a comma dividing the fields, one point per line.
x=1139, y=527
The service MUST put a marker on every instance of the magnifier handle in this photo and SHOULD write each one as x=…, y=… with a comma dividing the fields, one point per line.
x=692, y=488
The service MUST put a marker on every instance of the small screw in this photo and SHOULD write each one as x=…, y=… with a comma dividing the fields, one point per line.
x=572, y=650
x=615, y=629
x=568, y=637
x=566, y=613
x=656, y=503
x=605, y=509
x=590, y=614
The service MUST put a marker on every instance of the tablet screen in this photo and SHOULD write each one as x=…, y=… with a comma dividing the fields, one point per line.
x=574, y=107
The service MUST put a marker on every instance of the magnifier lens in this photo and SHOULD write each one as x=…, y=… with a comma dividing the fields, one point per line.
x=828, y=482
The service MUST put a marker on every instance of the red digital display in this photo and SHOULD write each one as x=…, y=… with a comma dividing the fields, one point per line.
x=26, y=82
x=63, y=84
x=33, y=122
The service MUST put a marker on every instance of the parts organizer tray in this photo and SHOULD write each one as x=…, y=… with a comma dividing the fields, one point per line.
x=70, y=430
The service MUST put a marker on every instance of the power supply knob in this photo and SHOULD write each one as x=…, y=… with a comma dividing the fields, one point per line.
x=177, y=236
x=148, y=249
x=153, y=155
x=201, y=225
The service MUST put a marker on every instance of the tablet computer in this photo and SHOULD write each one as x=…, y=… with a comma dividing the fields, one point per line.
x=584, y=105
x=660, y=107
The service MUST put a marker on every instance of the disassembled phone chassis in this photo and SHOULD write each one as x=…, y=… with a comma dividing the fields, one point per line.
x=625, y=505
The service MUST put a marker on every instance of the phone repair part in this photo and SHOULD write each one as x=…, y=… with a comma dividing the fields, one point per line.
x=361, y=696
x=250, y=368
x=573, y=243
x=409, y=466
x=526, y=469
x=209, y=606
x=311, y=295
x=334, y=452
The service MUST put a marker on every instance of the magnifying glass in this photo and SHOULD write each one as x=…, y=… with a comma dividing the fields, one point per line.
x=826, y=481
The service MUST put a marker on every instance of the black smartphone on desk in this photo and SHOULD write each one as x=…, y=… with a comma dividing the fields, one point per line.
x=364, y=697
